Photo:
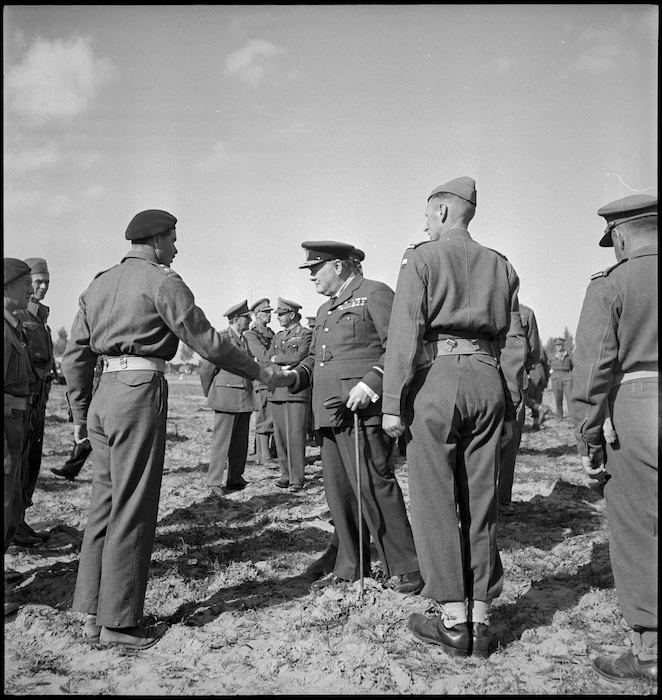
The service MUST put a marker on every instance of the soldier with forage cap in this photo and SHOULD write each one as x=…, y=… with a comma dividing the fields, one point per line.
x=561, y=373
x=231, y=396
x=258, y=338
x=616, y=375
x=35, y=323
x=18, y=377
x=289, y=347
x=456, y=305
x=133, y=315
x=345, y=366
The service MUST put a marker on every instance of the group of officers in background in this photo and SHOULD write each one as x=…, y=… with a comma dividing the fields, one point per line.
x=440, y=364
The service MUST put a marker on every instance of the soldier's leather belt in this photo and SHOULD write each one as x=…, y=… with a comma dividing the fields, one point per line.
x=642, y=374
x=121, y=363
x=15, y=403
x=460, y=346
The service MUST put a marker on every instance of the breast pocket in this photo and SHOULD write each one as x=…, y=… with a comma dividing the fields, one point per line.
x=352, y=324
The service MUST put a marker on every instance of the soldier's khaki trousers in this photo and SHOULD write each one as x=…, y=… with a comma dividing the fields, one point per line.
x=456, y=410
x=127, y=429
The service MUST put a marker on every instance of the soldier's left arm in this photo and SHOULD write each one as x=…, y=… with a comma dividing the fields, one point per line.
x=379, y=305
x=596, y=352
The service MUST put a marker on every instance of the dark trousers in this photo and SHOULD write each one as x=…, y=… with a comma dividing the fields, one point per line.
x=290, y=418
x=77, y=458
x=632, y=506
x=508, y=458
x=562, y=386
x=383, y=507
x=15, y=427
x=127, y=430
x=453, y=458
x=33, y=452
x=229, y=445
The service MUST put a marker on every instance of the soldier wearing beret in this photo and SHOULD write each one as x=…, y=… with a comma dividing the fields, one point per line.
x=345, y=366
x=290, y=410
x=18, y=377
x=133, y=315
x=231, y=397
x=456, y=304
x=258, y=338
x=561, y=373
x=616, y=375
x=34, y=320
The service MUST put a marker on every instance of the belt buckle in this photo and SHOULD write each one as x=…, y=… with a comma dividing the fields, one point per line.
x=124, y=362
x=452, y=343
x=106, y=364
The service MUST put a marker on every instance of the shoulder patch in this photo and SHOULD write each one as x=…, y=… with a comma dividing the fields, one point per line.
x=606, y=271
x=415, y=245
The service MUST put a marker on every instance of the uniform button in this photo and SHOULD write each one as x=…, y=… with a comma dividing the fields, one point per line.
x=329, y=312
x=321, y=364
x=326, y=330
x=323, y=346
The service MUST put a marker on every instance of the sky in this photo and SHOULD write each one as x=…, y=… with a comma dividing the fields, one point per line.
x=261, y=127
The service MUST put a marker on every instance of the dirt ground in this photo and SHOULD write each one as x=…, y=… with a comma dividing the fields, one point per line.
x=243, y=621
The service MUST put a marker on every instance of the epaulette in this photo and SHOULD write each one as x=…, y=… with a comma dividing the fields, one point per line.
x=498, y=253
x=103, y=272
x=415, y=245
x=604, y=273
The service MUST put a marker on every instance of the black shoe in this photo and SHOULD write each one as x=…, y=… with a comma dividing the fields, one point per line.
x=480, y=640
x=625, y=668
x=410, y=583
x=282, y=483
x=23, y=538
x=63, y=473
x=324, y=565
x=329, y=580
x=455, y=640
x=239, y=486
x=43, y=536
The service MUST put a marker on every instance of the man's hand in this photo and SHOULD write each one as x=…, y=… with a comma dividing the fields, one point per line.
x=80, y=434
x=358, y=398
x=506, y=433
x=594, y=464
x=608, y=431
x=273, y=377
x=393, y=426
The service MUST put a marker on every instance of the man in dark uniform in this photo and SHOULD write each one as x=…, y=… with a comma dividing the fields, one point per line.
x=510, y=450
x=18, y=376
x=290, y=411
x=345, y=366
x=34, y=321
x=616, y=375
x=455, y=304
x=538, y=376
x=258, y=338
x=134, y=315
x=561, y=373
x=231, y=397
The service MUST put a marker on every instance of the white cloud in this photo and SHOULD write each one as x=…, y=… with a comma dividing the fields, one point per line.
x=61, y=204
x=31, y=158
x=56, y=80
x=15, y=200
x=254, y=62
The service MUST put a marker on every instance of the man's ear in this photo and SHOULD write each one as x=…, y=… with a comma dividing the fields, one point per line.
x=443, y=212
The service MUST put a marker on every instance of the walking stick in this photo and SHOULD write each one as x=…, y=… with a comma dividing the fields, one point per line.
x=360, y=500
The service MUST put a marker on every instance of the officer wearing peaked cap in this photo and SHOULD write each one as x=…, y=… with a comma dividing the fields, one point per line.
x=34, y=320
x=345, y=366
x=258, y=338
x=133, y=315
x=232, y=398
x=17, y=378
x=290, y=411
x=616, y=375
x=456, y=304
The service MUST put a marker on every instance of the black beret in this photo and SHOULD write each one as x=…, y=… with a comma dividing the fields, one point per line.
x=559, y=340
x=150, y=222
x=321, y=251
x=629, y=208
x=240, y=309
x=15, y=268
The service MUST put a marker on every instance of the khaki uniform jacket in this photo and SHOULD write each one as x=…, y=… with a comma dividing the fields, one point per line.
x=140, y=308
x=288, y=348
x=258, y=338
x=34, y=321
x=348, y=346
x=18, y=373
x=226, y=391
x=456, y=287
x=617, y=333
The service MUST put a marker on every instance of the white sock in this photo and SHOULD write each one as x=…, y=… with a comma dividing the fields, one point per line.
x=479, y=611
x=454, y=613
